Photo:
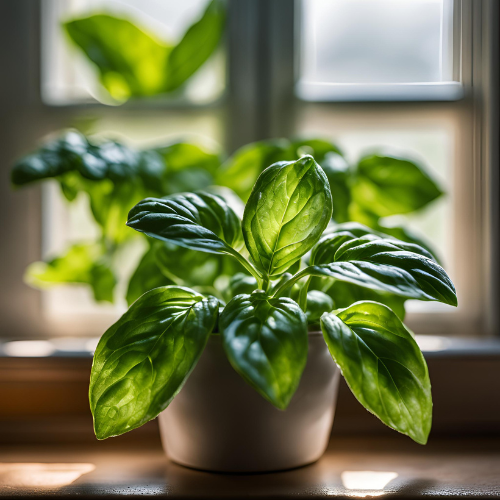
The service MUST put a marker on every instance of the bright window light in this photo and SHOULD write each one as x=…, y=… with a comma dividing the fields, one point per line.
x=373, y=44
x=367, y=480
x=36, y=475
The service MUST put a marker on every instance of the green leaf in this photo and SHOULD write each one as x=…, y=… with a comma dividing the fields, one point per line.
x=358, y=230
x=70, y=151
x=317, y=148
x=130, y=62
x=387, y=185
x=382, y=365
x=338, y=173
x=196, y=46
x=146, y=276
x=407, y=235
x=109, y=203
x=242, y=283
x=144, y=359
x=344, y=294
x=317, y=304
x=288, y=210
x=133, y=63
x=192, y=268
x=266, y=342
x=242, y=169
x=381, y=265
x=198, y=221
x=82, y=263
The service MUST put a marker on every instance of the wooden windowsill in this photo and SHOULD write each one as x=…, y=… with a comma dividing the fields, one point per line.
x=451, y=468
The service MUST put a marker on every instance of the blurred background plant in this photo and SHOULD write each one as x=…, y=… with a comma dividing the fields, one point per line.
x=133, y=63
x=114, y=177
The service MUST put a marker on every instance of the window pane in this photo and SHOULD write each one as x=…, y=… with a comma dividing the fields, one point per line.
x=69, y=77
x=376, y=41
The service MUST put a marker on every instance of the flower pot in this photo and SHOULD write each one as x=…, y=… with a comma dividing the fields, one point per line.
x=219, y=423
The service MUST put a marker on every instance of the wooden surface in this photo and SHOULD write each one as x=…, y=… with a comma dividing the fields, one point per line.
x=451, y=468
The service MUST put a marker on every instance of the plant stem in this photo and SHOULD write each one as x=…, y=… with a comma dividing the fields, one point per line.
x=296, y=277
x=303, y=294
x=265, y=284
x=247, y=265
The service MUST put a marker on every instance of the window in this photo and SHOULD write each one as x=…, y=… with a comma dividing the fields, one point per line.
x=379, y=49
x=367, y=74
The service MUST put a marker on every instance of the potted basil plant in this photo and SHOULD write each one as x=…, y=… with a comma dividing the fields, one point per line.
x=265, y=340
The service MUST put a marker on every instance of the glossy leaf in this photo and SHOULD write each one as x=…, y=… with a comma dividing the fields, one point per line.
x=80, y=264
x=344, y=294
x=143, y=360
x=196, y=46
x=266, y=342
x=405, y=234
x=358, y=230
x=288, y=210
x=242, y=283
x=382, y=365
x=317, y=304
x=198, y=221
x=381, y=265
x=387, y=185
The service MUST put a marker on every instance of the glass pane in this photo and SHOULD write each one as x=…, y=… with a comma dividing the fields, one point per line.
x=68, y=76
x=376, y=41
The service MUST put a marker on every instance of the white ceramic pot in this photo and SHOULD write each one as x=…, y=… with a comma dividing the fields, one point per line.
x=219, y=423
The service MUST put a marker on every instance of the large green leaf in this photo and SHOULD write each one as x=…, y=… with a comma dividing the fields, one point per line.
x=382, y=365
x=288, y=210
x=143, y=360
x=387, y=185
x=196, y=46
x=382, y=265
x=81, y=264
x=266, y=342
x=198, y=221
x=130, y=62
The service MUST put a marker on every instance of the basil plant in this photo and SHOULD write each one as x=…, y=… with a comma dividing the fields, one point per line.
x=286, y=244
